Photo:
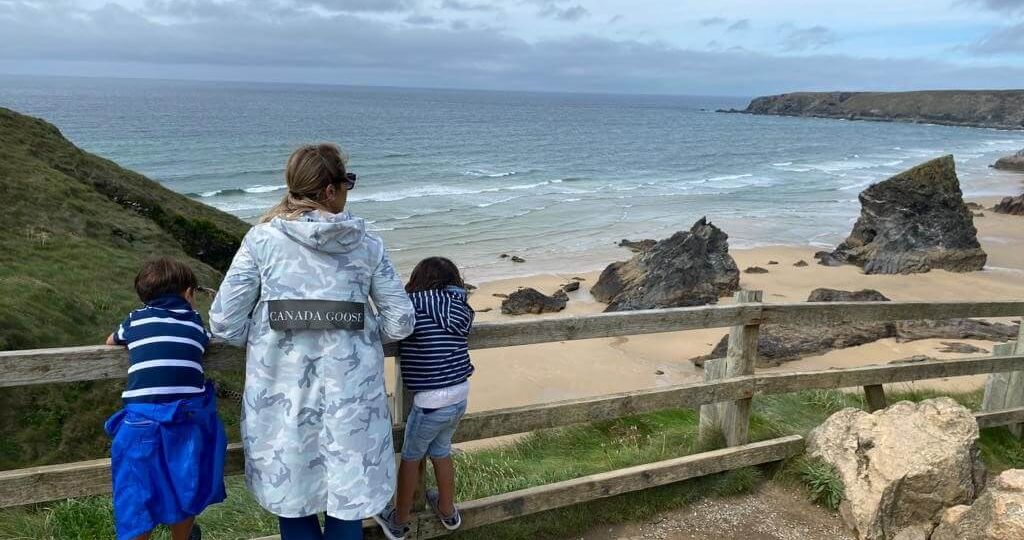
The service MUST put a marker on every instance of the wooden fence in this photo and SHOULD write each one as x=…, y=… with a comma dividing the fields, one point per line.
x=724, y=396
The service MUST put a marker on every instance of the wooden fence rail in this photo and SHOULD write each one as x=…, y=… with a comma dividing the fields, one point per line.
x=51, y=482
x=89, y=363
x=735, y=383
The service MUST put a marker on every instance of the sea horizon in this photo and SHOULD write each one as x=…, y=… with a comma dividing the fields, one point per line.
x=471, y=174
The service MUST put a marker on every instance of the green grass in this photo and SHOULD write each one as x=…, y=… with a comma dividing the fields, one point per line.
x=824, y=486
x=555, y=455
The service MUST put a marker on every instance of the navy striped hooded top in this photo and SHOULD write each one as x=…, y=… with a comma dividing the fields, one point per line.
x=436, y=355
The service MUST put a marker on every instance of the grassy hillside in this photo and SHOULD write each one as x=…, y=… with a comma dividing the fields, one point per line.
x=1002, y=109
x=76, y=228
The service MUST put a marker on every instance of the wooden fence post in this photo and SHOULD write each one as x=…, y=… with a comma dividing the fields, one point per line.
x=1006, y=390
x=732, y=419
x=710, y=415
x=875, y=394
x=403, y=405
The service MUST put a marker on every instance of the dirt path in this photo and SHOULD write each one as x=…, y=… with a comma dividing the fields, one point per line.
x=772, y=512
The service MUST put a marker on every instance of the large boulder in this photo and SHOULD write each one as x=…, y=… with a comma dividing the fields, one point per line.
x=691, y=268
x=1011, y=205
x=901, y=466
x=531, y=300
x=913, y=222
x=1014, y=162
x=998, y=514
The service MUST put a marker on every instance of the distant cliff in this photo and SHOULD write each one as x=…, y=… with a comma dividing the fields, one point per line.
x=1002, y=109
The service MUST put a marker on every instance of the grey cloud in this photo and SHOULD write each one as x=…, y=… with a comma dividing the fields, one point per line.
x=558, y=9
x=356, y=6
x=571, y=13
x=460, y=5
x=741, y=24
x=422, y=20
x=803, y=39
x=304, y=47
x=1010, y=6
x=731, y=25
x=1004, y=41
x=616, y=19
x=713, y=21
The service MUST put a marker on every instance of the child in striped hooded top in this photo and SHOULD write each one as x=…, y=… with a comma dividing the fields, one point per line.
x=436, y=367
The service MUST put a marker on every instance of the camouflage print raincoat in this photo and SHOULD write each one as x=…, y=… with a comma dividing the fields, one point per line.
x=316, y=428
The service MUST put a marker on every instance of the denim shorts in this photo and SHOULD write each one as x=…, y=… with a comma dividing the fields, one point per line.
x=430, y=433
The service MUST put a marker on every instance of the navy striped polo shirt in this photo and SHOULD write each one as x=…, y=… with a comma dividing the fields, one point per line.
x=436, y=355
x=166, y=341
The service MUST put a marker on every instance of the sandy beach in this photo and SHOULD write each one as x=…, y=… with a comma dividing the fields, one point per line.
x=531, y=374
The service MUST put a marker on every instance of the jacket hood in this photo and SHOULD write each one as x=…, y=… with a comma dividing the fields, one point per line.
x=321, y=231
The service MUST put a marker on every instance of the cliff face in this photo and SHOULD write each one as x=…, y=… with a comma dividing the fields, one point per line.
x=1003, y=109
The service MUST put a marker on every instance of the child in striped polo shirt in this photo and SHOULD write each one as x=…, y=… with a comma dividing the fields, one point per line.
x=167, y=453
x=436, y=367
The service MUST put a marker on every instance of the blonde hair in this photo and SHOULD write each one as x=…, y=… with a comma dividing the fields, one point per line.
x=310, y=170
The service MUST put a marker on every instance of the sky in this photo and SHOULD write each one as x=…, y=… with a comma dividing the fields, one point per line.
x=724, y=47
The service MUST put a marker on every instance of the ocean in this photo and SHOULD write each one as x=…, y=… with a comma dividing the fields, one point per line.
x=556, y=179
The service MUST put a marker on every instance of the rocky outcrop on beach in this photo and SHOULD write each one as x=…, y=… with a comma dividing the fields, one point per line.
x=1011, y=205
x=996, y=515
x=913, y=222
x=637, y=246
x=778, y=343
x=529, y=300
x=824, y=294
x=961, y=348
x=901, y=466
x=691, y=268
x=905, y=331
x=1013, y=162
x=1002, y=109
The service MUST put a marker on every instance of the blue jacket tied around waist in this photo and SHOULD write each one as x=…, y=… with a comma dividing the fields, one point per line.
x=167, y=461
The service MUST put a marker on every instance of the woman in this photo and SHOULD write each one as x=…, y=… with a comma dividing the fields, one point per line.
x=316, y=429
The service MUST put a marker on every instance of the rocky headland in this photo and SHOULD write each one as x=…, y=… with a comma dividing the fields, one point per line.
x=1001, y=109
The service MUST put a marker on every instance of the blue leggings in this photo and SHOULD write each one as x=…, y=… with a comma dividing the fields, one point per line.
x=308, y=528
